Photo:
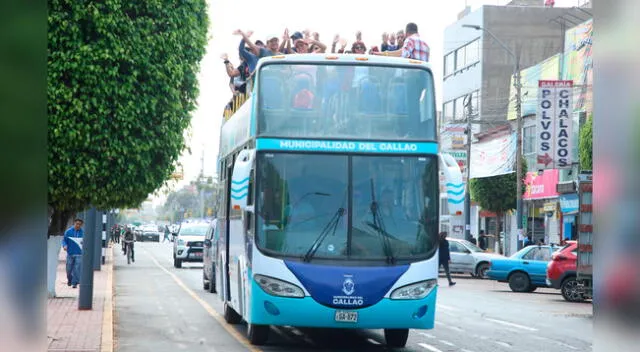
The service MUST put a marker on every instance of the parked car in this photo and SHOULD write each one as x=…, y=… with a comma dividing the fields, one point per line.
x=210, y=253
x=526, y=270
x=148, y=233
x=188, y=243
x=561, y=272
x=467, y=258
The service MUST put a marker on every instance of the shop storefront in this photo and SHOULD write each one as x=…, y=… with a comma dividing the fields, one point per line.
x=569, y=207
x=540, y=199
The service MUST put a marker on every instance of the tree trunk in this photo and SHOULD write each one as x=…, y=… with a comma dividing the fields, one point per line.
x=58, y=223
x=499, y=217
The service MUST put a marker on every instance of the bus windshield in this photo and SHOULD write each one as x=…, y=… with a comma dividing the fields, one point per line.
x=358, y=200
x=346, y=101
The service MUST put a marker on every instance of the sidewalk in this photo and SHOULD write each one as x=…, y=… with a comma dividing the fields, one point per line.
x=70, y=329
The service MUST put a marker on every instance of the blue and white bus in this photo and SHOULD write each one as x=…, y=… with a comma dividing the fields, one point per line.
x=331, y=197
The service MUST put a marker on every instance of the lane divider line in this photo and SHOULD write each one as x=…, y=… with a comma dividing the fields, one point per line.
x=212, y=312
x=429, y=347
x=506, y=323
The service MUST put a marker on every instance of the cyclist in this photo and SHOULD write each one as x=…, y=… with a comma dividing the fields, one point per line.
x=128, y=240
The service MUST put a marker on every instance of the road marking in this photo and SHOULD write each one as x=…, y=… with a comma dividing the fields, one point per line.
x=449, y=326
x=427, y=335
x=107, y=339
x=373, y=341
x=429, y=347
x=546, y=339
x=503, y=344
x=241, y=339
x=465, y=350
x=447, y=343
x=455, y=328
x=506, y=323
x=442, y=306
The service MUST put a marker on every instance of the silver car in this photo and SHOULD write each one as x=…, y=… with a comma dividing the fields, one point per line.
x=188, y=243
x=466, y=257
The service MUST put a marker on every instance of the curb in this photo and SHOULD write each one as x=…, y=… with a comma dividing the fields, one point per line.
x=106, y=343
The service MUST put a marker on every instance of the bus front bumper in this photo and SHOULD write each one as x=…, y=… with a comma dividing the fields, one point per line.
x=306, y=312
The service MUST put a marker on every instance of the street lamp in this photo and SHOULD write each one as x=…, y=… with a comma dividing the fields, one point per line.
x=517, y=86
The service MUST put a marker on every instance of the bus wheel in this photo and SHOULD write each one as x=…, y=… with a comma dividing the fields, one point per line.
x=230, y=315
x=257, y=334
x=396, y=337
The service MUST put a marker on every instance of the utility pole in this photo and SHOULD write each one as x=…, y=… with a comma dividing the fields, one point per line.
x=517, y=86
x=467, y=196
x=519, y=176
x=85, y=299
x=104, y=236
x=97, y=246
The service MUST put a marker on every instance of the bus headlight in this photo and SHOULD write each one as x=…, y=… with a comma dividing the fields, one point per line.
x=418, y=290
x=277, y=287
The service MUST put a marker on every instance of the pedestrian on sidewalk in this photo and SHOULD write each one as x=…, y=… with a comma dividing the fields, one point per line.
x=72, y=244
x=445, y=256
x=166, y=234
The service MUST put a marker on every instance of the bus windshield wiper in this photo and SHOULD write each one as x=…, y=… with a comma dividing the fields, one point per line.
x=331, y=226
x=378, y=225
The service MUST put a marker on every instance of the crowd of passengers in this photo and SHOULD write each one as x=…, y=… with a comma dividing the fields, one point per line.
x=403, y=43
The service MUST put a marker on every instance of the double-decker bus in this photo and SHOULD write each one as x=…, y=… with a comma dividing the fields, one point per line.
x=331, y=197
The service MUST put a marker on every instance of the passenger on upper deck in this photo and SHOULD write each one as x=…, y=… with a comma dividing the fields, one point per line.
x=413, y=48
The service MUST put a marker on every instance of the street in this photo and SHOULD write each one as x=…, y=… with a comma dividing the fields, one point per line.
x=159, y=308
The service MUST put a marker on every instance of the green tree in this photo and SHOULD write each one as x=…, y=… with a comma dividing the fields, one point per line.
x=585, y=145
x=122, y=82
x=497, y=194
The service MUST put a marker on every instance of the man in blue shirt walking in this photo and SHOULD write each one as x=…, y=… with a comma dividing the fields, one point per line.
x=72, y=244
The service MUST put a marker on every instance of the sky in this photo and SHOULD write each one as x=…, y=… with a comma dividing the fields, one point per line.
x=328, y=18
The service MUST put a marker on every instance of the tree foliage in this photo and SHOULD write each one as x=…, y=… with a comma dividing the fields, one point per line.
x=188, y=201
x=497, y=193
x=585, y=145
x=122, y=82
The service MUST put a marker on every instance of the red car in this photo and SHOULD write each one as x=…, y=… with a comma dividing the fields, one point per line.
x=561, y=272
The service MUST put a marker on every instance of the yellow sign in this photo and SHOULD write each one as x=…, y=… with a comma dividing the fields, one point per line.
x=550, y=206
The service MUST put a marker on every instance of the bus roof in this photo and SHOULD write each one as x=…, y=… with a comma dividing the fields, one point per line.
x=342, y=58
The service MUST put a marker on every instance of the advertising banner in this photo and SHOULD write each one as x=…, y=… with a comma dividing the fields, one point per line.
x=554, y=122
x=541, y=186
x=548, y=69
x=493, y=157
x=578, y=64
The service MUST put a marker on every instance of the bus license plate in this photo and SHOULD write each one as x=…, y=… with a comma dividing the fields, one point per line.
x=346, y=317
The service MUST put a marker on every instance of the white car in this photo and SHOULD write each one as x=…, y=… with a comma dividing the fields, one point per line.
x=188, y=243
x=466, y=257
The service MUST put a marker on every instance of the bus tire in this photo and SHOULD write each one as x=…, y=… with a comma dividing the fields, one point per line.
x=230, y=315
x=396, y=337
x=212, y=280
x=257, y=334
x=205, y=284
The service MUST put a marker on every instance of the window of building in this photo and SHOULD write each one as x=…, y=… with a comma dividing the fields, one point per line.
x=449, y=64
x=475, y=102
x=472, y=53
x=460, y=59
x=459, y=113
x=529, y=147
x=447, y=111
